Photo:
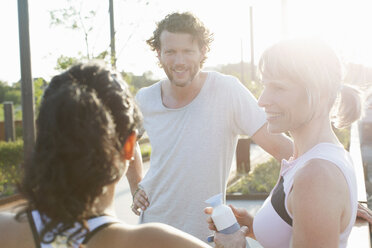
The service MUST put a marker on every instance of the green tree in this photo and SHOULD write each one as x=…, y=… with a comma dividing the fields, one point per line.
x=73, y=17
x=137, y=82
x=10, y=93
x=13, y=95
x=3, y=89
x=77, y=18
x=64, y=62
x=39, y=86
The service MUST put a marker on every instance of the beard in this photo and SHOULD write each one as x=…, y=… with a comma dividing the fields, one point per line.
x=181, y=79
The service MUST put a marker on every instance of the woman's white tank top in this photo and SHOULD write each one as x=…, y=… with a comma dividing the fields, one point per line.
x=272, y=224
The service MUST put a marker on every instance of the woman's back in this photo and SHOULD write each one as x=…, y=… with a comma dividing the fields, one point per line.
x=17, y=234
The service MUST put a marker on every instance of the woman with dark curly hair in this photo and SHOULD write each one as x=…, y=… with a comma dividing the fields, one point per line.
x=86, y=133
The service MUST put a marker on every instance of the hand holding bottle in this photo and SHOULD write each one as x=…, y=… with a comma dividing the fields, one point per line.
x=241, y=215
x=223, y=220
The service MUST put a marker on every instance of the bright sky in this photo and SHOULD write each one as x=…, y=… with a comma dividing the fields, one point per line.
x=345, y=24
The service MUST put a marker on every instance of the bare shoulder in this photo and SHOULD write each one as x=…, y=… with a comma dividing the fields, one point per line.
x=11, y=230
x=318, y=203
x=320, y=172
x=146, y=235
x=320, y=181
x=161, y=235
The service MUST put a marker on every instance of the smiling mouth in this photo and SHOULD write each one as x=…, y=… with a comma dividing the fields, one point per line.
x=272, y=116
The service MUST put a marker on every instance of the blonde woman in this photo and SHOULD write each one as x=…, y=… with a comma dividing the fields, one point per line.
x=314, y=203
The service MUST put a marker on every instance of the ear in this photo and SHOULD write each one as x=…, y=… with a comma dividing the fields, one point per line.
x=158, y=52
x=203, y=51
x=130, y=144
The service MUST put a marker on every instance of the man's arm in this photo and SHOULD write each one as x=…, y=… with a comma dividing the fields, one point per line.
x=134, y=172
x=278, y=145
x=134, y=176
x=365, y=213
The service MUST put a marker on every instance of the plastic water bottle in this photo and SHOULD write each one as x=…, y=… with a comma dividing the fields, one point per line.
x=223, y=217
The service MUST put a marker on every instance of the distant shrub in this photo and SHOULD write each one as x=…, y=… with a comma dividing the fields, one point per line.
x=18, y=131
x=262, y=179
x=11, y=154
x=145, y=150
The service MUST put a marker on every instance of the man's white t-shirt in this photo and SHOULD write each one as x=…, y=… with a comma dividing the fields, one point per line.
x=193, y=149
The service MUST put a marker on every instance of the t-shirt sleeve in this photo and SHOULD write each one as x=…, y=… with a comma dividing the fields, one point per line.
x=138, y=98
x=247, y=117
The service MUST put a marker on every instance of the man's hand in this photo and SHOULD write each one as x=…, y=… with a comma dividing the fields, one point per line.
x=235, y=240
x=140, y=200
x=364, y=213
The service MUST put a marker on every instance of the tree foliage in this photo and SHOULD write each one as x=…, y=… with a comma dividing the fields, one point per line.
x=13, y=94
x=64, y=62
x=10, y=93
x=136, y=82
x=73, y=17
x=39, y=87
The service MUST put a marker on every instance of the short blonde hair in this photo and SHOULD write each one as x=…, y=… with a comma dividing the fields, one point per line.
x=317, y=67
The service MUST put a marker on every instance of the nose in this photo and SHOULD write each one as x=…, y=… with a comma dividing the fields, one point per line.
x=264, y=99
x=179, y=59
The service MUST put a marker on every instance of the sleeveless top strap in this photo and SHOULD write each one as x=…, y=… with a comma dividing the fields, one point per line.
x=35, y=233
x=96, y=230
x=95, y=224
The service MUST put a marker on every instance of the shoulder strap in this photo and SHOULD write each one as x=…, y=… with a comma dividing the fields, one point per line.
x=97, y=229
x=278, y=202
x=35, y=234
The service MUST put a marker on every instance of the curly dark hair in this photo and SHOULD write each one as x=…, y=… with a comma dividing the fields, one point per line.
x=182, y=23
x=85, y=117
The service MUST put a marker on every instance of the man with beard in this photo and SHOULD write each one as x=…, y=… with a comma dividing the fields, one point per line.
x=193, y=119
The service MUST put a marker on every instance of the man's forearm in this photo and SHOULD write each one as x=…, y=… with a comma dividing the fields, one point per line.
x=134, y=172
x=277, y=145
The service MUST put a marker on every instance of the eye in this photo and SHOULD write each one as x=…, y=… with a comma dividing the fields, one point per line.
x=169, y=52
x=272, y=86
x=277, y=87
